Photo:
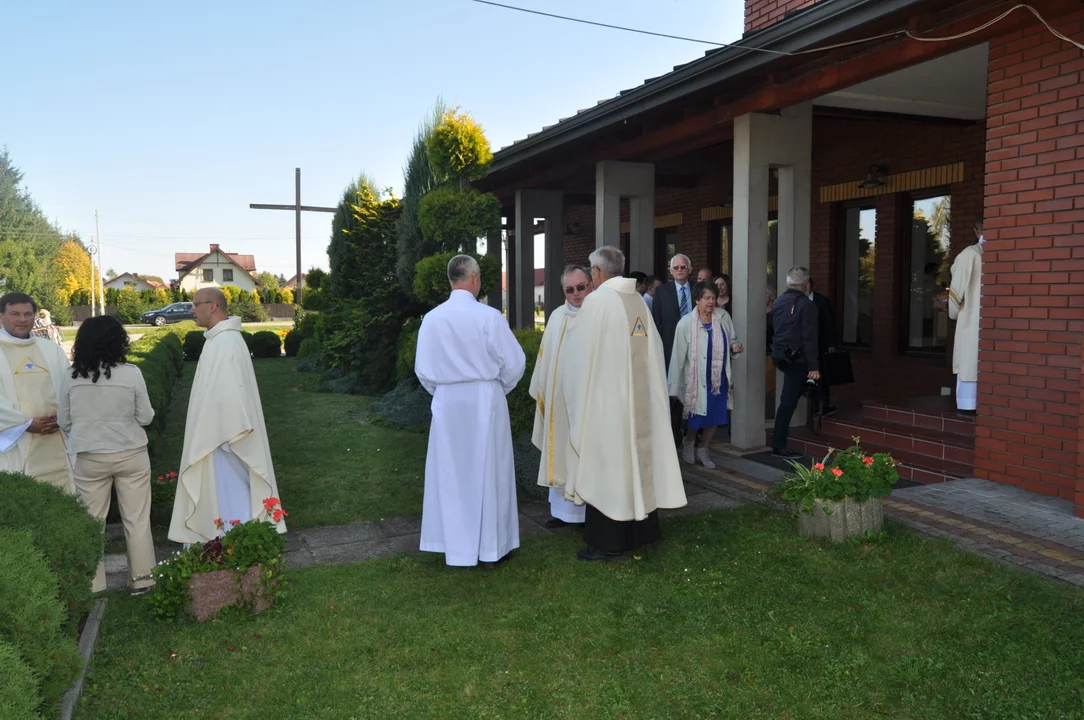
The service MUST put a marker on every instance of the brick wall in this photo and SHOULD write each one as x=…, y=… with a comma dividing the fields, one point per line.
x=1030, y=400
x=759, y=14
x=843, y=150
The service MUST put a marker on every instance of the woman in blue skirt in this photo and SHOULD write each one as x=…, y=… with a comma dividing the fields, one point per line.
x=700, y=370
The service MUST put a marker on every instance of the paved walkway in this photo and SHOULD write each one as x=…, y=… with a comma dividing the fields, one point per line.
x=1004, y=523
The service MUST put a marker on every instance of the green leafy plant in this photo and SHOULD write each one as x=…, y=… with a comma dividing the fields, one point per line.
x=840, y=475
x=453, y=219
x=458, y=148
x=266, y=344
x=19, y=692
x=292, y=342
x=256, y=543
x=431, y=285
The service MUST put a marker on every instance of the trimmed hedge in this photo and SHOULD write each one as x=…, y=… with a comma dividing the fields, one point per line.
x=266, y=344
x=292, y=342
x=159, y=355
x=308, y=347
x=193, y=346
x=407, y=350
x=64, y=532
x=31, y=619
x=19, y=694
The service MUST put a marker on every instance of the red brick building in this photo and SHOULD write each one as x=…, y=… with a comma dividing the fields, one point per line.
x=756, y=157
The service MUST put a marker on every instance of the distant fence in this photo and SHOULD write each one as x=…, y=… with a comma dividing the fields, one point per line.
x=277, y=311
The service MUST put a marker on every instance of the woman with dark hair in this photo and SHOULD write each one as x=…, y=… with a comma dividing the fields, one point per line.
x=700, y=376
x=103, y=407
x=722, y=286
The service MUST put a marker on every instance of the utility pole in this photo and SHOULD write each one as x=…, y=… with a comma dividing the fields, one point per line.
x=90, y=251
x=101, y=281
x=298, y=208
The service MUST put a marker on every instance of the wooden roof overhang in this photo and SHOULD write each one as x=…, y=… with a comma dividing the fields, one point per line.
x=694, y=106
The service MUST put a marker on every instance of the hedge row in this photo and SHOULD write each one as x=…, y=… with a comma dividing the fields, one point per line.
x=51, y=550
x=159, y=355
x=264, y=344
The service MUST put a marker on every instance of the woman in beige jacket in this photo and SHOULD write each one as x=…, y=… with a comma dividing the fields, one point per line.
x=103, y=407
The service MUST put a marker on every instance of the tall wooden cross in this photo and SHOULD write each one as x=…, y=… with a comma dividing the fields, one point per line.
x=298, y=208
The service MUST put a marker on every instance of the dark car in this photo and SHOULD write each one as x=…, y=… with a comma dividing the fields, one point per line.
x=177, y=312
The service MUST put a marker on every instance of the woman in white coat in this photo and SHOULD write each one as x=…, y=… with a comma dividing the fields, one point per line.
x=700, y=375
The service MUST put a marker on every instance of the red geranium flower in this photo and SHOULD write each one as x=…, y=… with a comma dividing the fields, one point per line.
x=868, y=461
x=218, y=521
x=837, y=472
x=279, y=515
x=818, y=466
x=161, y=477
x=270, y=503
x=235, y=522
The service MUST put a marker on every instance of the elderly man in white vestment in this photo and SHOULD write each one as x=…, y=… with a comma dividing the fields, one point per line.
x=469, y=360
x=551, y=417
x=226, y=471
x=619, y=415
x=963, y=307
x=31, y=371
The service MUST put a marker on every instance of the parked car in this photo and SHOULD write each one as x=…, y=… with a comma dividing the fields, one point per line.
x=177, y=312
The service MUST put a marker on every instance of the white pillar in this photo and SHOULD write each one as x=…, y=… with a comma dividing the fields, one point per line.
x=762, y=142
x=548, y=205
x=615, y=180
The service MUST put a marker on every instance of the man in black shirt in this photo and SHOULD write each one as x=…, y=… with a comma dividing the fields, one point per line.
x=794, y=352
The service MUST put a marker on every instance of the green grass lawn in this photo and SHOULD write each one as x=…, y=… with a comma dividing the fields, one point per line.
x=331, y=467
x=730, y=616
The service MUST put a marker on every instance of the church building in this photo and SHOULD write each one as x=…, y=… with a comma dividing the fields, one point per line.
x=862, y=139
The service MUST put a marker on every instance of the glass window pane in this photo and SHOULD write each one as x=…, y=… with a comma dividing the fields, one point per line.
x=928, y=270
x=859, y=253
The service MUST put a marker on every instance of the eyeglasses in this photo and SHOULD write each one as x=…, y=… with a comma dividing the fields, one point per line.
x=578, y=288
x=679, y=267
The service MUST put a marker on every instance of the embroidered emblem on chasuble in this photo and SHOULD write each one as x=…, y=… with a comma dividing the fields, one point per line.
x=29, y=367
x=638, y=329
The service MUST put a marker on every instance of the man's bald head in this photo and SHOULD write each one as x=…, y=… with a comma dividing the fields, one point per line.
x=211, y=307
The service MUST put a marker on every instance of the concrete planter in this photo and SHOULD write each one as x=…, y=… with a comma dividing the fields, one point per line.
x=210, y=592
x=843, y=520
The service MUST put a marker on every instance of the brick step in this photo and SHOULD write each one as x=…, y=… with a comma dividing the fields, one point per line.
x=920, y=417
x=932, y=443
x=912, y=466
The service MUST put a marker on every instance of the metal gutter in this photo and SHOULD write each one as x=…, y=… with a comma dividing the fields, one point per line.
x=823, y=21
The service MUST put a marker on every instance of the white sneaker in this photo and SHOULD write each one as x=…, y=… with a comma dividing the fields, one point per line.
x=705, y=459
x=688, y=453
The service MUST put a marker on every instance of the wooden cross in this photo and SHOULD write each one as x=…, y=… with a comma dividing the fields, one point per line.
x=298, y=208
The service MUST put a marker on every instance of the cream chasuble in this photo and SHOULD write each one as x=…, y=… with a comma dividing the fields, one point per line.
x=963, y=307
x=619, y=409
x=469, y=360
x=31, y=372
x=226, y=464
x=551, y=417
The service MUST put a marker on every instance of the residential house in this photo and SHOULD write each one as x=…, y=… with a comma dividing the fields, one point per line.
x=539, y=287
x=867, y=161
x=215, y=268
x=292, y=282
x=134, y=281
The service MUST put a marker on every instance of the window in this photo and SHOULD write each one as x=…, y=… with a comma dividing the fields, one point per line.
x=208, y=275
x=927, y=266
x=721, y=247
x=665, y=248
x=859, y=229
x=227, y=275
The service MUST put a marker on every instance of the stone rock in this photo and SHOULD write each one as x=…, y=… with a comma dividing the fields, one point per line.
x=843, y=519
x=210, y=592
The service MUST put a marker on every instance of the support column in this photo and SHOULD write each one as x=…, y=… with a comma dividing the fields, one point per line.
x=548, y=205
x=762, y=142
x=615, y=180
x=495, y=249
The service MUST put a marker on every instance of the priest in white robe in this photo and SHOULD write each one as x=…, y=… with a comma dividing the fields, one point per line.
x=226, y=471
x=31, y=371
x=469, y=360
x=619, y=415
x=963, y=307
x=551, y=417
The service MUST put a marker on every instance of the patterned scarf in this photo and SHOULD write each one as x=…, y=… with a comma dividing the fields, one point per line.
x=718, y=360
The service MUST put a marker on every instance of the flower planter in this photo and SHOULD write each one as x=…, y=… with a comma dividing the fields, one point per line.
x=843, y=520
x=210, y=592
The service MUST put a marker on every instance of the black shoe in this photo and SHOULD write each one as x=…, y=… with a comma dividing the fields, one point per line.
x=787, y=454
x=829, y=410
x=592, y=553
x=555, y=524
x=136, y=592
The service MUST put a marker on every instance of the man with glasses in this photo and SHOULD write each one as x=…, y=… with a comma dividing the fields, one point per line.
x=551, y=415
x=226, y=469
x=672, y=302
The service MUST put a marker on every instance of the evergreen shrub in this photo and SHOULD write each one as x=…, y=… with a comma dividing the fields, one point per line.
x=20, y=695
x=292, y=342
x=266, y=344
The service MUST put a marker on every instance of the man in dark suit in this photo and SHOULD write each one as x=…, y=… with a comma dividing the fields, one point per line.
x=674, y=300
x=826, y=340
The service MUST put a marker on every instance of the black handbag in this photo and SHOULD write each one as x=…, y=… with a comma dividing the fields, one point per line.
x=837, y=368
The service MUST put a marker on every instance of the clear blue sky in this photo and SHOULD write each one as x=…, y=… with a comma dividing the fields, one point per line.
x=171, y=119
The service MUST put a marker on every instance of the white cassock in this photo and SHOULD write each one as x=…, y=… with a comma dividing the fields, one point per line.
x=468, y=360
x=31, y=372
x=226, y=470
x=963, y=307
x=619, y=407
x=551, y=417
